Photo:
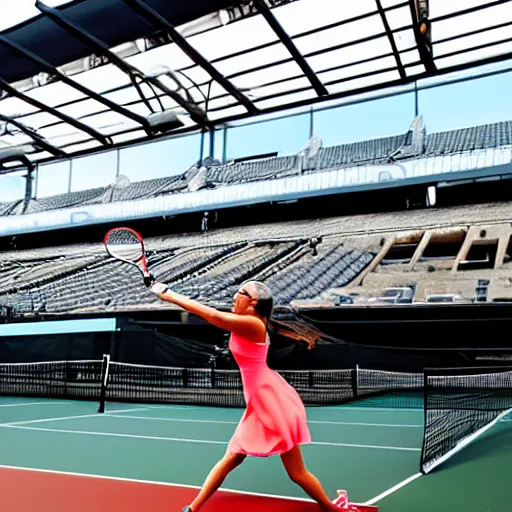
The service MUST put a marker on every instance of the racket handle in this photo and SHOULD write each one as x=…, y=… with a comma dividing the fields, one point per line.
x=149, y=280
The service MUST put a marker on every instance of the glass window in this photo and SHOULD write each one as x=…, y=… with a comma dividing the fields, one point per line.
x=94, y=171
x=219, y=143
x=53, y=179
x=375, y=119
x=218, y=140
x=12, y=186
x=285, y=136
x=159, y=159
x=206, y=144
x=464, y=104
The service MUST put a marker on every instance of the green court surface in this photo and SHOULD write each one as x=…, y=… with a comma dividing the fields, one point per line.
x=154, y=457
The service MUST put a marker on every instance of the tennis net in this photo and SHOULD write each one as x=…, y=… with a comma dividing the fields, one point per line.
x=78, y=380
x=111, y=381
x=460, y=405
x=223, y=388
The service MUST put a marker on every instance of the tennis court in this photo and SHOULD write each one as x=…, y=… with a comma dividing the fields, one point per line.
x=155, y=457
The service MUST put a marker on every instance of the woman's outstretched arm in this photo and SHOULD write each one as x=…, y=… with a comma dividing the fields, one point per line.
x=245, y=325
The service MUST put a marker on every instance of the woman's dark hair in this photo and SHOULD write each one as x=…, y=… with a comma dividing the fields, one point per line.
x=284, y=319
x=265, y=303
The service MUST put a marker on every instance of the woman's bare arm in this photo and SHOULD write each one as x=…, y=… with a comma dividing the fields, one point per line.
x=245, y=325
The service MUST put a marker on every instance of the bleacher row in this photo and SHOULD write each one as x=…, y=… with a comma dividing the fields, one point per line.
x=57, y=281
x=218, y=175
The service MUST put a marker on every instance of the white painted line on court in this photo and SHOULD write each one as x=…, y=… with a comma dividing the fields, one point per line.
x=152, y=482
x=26, y=404
x=371, y=446
x=366, y=424
x=184, y=420
x=341, y=408
x=371, y=408
x=200, y=441
x=393, y=489
x=63, y=418
x=115, y=434
x=189, y=420
x=180, y=407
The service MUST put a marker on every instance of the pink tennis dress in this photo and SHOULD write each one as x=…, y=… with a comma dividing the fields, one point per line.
x=275, y=418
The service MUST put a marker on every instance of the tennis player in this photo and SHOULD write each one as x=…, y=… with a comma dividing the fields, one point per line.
x=274, y=422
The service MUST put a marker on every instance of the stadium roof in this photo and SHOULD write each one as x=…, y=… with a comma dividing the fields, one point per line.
x=81, y=75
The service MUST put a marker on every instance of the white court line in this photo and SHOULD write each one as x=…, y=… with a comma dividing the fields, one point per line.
x=365, y=424
x=342, y=408
x=186, y=420
x=63, y=418
x=152, y=482
x=370, y=408
x=393, y=489
x=200, y=441
x=179, y=407
x=116, y=434
x=371, y=446
x=334, y=407
x=25, y=404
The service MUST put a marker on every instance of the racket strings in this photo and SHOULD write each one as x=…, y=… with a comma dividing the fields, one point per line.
x=125, y=245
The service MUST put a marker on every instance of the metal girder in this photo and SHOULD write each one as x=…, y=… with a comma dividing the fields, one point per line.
x=41, y=141
x=196, y=113
x=159, y=21
x=79, y=87
x=425, y=52
x=63, y=117
x=391, y=38
x=290, y=46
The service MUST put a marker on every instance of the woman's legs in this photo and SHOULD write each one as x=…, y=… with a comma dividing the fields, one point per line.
x=215, y=478
x=297, y=471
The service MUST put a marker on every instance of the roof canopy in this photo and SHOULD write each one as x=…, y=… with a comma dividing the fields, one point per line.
x=87, y=74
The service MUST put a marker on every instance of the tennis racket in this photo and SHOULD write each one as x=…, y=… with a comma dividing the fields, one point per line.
x=125, y=244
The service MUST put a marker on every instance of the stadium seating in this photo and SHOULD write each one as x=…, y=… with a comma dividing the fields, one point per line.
x=148, y=188
x=210, y=266
x=66, y=200
x=376, y=151
x=245, y=172
x=371, y=151
x=10, y=208
x=470, y=139
x=82, y=278
x=310, y=276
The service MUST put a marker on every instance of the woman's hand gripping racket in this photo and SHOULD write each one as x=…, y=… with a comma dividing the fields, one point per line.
x=125, y=244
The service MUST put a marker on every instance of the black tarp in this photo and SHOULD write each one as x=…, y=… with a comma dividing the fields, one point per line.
x=140, y=344
x=54, y=347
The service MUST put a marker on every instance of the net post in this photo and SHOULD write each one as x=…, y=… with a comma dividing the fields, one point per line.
x=355, y=381
x=425, y=395
x=104, y=379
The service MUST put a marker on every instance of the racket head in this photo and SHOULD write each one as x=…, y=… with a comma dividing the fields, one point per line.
x=125, y=244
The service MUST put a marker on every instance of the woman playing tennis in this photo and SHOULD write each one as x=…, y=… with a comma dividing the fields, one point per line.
x=274, y=422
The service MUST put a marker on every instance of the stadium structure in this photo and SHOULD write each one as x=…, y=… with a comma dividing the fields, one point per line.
x=381, y=246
